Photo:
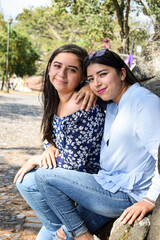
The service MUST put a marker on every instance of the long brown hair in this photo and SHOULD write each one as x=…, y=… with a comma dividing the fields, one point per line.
x=50, y=96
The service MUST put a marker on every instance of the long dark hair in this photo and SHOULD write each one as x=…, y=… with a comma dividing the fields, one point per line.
x=110, y=58
x=50, y=96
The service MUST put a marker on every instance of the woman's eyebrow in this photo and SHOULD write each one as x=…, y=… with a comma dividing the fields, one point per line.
x=57, y=62
x=97, y=72
x=73, y=66
x=89, y=75
x=101, y=70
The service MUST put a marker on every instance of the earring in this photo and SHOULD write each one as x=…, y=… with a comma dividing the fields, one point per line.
x=81, y=81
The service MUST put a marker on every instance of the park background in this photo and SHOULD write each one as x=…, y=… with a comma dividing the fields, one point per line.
x=28, y=39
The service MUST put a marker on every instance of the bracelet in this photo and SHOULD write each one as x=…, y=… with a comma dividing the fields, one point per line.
x=149, y=201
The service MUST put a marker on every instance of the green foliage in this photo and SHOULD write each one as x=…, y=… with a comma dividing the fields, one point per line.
x=85, y=23
x=80, y=22
x=2, y=22
x=151, y=8
x=154, y=6
x=22, y=55
x=22, y=61
x=69, y=21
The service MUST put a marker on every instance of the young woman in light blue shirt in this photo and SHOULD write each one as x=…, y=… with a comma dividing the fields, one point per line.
x=128, y=182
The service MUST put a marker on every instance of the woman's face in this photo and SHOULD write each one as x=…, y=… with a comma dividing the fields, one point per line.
x=105, y=82
x=65, y=72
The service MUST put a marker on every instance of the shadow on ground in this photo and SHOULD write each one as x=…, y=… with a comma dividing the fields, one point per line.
x=15, y=111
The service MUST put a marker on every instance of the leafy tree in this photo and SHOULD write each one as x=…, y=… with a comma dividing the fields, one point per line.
x=3, y=47
x=122, y=9
x=2, y=22
x=22, y=55
x=151, y=8
x=83, y=22
x=69, y=21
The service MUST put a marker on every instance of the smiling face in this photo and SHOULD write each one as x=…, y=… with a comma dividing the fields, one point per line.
x=106, y=83
x=65, y=72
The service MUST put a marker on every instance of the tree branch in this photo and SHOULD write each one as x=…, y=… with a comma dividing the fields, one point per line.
x=54, y=32
x=147, y=10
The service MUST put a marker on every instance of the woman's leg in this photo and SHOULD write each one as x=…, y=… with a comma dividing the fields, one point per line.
x=61, y=188
x=29, y=191
x=44, y=234
x=92, y=220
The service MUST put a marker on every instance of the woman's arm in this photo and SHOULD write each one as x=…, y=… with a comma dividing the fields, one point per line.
x=89, y=98
x=148, y=129
x=137, y=210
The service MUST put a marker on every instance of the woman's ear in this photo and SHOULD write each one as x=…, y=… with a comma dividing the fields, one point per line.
x=123, y=74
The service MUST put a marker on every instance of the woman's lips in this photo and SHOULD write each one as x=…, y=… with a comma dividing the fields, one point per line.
x=101, y=90
x=60, y=81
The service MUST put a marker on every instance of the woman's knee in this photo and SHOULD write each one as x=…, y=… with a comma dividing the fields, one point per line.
x=28, y=181
x=42, y=175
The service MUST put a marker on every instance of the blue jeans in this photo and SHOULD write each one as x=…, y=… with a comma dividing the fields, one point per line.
x=51, y=223
x=29, y=191
x=61, y=188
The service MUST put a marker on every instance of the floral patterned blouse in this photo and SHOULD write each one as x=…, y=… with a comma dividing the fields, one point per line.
x=78, y=138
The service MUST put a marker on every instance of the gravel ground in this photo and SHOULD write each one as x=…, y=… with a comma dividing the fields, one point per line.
x=20, y=119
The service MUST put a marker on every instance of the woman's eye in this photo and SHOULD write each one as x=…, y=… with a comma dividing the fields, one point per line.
x=90, y=79
x=103, y=74
x=71, y=70
x=56, y=66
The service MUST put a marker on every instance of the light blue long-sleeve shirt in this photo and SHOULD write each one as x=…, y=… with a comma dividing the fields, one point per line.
x=130, y=145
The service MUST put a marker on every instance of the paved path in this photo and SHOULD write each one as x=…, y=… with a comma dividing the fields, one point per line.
x=20, y=118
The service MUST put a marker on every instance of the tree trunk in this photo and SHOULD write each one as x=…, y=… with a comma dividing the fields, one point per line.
x=2, y=86
x=122, y=12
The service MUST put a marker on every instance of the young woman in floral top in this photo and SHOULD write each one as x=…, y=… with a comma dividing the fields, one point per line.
x=73, y=136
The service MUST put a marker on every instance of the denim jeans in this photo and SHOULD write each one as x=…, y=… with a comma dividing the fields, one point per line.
x=29, y=191
x=61, y=188
x=51, y=223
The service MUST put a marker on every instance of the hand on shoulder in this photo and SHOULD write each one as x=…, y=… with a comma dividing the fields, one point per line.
x=85, y=97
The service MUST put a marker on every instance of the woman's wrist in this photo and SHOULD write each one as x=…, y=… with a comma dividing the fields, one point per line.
x=35, y=160
x=146, y=199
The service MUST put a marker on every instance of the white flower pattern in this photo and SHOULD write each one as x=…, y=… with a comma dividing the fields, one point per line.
x=78, y=138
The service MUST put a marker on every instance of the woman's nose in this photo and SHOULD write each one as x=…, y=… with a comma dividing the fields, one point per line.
x=62, y=72
x=96, y=82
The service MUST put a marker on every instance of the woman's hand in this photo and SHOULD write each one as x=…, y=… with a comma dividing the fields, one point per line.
x=87, y=96
x=48, y=157
x=137, y=210
x=27, y=166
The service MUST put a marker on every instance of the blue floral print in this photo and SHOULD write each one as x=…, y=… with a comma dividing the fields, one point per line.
x=78, y=138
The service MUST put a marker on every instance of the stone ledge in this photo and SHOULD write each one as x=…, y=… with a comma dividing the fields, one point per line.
x=147, y=229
